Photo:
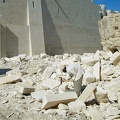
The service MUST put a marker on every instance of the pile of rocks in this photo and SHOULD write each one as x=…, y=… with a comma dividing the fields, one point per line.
x=33, y=86
x=109, y=28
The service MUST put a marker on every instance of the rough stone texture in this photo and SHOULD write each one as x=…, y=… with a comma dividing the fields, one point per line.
x=109, y=28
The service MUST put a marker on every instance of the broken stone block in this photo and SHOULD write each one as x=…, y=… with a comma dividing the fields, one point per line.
x=90, y=61
x=47, y=72
x=112, y=111
x=63, y=87
x=77, y=106
x=96, y=71
x=50, y=101
x=107, y=71
x=26, y=90
x=10, y=79
x=89, y=78
x=113, y=86
x=63, y=106
x=38, y=95
x=101, y=95
x=115, y=58
x=50, y=83
x=95, y=115
x=86, y=93
x=104, y=55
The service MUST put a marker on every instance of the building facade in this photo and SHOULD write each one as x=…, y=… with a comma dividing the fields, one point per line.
x=51, y=26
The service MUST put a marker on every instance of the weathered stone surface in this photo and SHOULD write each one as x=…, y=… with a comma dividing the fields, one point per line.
x=77, y=106
x=53, y=100
x=101, y=95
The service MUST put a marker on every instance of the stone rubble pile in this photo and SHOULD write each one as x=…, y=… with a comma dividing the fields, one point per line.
x=34, y=83
x=109, y=28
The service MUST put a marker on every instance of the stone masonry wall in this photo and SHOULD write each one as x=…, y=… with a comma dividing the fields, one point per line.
x=109, y=28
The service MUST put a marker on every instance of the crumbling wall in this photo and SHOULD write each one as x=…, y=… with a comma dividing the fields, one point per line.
x=109, y=28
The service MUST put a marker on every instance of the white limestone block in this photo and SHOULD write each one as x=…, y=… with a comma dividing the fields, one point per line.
x=104, y=55
x=107, y=71
x=50, y=101
x=77, y=106
x=38, y=95
x=63, y=106
x=115, y=58
x=96, y=71
x=90, y=61
x=10, y=79
x=89, y=78
x=86, y=93
x=26, y=90
x=47, y=72
x=50, y=83
x=101, y=95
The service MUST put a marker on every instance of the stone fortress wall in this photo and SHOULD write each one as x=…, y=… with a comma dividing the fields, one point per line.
x=51, y=26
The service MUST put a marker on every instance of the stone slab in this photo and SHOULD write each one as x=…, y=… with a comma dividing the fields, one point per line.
x=86, y=93
x=50, y=101
x=10, y=79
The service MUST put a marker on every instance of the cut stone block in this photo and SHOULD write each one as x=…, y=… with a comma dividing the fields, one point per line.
x=50, y=83
x=115, y=58
x=38, y=95
x=108, y=71
x=50, y=101
x=96, y=71
x=101, y=95
x=77, y=106
x=26, y=90
x=86, y=93
x=89, y=78
x=10, y=79
x=47, y=72
x=90, y=61
x=95, y=115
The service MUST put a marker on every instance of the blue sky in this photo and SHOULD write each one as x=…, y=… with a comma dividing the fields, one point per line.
x=110, y=4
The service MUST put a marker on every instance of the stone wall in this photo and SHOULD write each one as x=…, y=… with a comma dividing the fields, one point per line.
x=109, y=28
x=51, y=26
x=70, y=26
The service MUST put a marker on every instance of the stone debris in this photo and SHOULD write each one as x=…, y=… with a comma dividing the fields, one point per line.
x=38, y=85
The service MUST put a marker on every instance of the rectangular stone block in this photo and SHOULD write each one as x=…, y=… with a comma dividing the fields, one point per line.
x=38, y=95
x=10, y=79
x=86, y=93
x=96, y=71
x=26, y=90
x=53, y=100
